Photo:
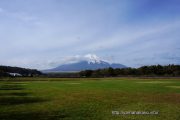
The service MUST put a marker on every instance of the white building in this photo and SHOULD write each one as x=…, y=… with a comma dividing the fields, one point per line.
x=15, y=74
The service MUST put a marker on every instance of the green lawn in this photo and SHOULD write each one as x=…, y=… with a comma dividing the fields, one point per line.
x=88, y=99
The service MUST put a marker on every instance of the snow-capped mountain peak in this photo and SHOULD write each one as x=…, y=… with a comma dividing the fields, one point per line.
x=92, y=58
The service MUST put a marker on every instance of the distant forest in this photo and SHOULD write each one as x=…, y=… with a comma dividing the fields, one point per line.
x=153, y=70
x=6, y=70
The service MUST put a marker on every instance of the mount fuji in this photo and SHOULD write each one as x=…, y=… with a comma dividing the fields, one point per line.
x=89, y=62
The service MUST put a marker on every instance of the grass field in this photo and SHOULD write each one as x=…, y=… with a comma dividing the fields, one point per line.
x=89, y=99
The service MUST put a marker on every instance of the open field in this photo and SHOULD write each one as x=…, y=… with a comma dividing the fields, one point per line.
x=89, y=99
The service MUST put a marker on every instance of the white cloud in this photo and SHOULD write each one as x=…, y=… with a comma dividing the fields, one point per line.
x=129, y=35
x=22, y=16
x=77, y=58
x=1, y=10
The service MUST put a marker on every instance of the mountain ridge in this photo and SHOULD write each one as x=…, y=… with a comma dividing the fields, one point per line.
x=92, y=64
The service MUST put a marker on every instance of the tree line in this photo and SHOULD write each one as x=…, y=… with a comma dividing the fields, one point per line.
x=153, y=70
x=5, y=70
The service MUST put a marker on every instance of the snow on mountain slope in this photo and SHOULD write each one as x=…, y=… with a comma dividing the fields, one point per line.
x=92, y=58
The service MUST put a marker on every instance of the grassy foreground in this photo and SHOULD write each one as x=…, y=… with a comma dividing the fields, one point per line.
x=89, y=99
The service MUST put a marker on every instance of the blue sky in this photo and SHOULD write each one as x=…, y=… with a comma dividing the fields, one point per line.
x=45, y=33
